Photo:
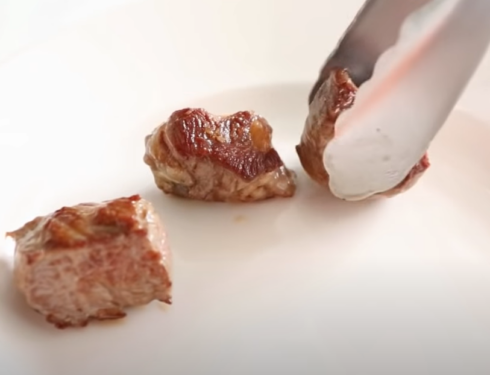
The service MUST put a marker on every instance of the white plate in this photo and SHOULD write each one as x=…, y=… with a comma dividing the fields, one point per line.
x=308, y=285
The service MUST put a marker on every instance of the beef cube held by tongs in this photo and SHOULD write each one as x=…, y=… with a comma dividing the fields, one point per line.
x=411, y=60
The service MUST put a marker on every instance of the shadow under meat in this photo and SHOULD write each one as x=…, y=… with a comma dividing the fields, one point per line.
x=216, y=231
x=315, y=213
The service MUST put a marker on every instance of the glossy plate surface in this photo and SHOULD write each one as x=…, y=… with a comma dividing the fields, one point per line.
x=308, y=285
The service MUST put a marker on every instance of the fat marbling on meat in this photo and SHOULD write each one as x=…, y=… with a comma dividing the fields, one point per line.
x=201, y=156
x=93, y=260
x=335, y=95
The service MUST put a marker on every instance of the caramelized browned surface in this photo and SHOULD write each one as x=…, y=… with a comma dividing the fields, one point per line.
x=333, y=97
x=85, y=224
x=198, y=155
x=240, y=142
x=91, y=261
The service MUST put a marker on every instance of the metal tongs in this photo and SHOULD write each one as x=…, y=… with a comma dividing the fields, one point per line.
x=411, y=60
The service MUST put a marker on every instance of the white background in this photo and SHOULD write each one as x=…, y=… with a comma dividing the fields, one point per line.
x=24, y=22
